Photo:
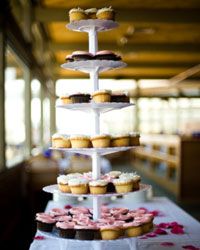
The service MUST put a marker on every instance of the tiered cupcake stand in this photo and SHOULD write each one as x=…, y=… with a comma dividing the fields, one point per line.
x=93, y=67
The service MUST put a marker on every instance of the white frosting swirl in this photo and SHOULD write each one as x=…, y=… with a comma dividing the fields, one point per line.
x=77, y=182
x=98, y=183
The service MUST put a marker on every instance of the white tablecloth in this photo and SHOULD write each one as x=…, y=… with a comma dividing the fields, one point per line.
x=171, y=212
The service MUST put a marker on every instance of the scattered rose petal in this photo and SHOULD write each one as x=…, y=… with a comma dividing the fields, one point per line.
x=167, y=244
x=160, y=231
x=190, y=247
x=67, y=206
x=151, y=235
x=156, y=213
x=174, y=223
x=38, y=237
x=163, y=225
x=177, y=230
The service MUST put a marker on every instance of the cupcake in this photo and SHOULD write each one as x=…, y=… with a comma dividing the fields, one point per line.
x=62, y=181
x=135, y=178
x=119, y=97
x=106, y=13
x=120, y=141
x=91, y=13
x=45, y=222
x=106, y=55
x=88, y=231
x=123, y=185
x=60, y=141
x=80, y=141
x=101, y=96
x=69, y=58
x=65, y=99
x=133, y=229
x=100, y=141
x=79, y=98
x=66, y=229
x=77, y=14
x=81, y=56
x=78, y=186
x=114, y=174
x=134, y=139
x=147, y=222
x=98, y=186
x=110, y=232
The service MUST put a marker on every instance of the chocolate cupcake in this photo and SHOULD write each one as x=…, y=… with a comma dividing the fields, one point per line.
x=80, y=98
x=45, y=222
x=87, y=232
x=81, y=56
x=107, y=55
x=69, y=58
x=117, y=97
x=66, y=229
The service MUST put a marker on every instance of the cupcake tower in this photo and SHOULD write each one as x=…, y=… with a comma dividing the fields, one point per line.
x=93, y=67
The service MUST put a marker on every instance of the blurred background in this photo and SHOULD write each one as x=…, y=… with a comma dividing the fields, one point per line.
x=160, y=42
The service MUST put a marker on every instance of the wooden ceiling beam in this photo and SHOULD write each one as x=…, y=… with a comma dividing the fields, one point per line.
x=153, y=47
x=126, y=15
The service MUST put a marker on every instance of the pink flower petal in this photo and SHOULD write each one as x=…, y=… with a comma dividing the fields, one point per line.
x=39, y=237
x=177, y=230
x=190, y=247
x=163, y=225
x=151, y=235
x=167, y=244
x=160, y=231
x=67, y=206
x=155, y=213
x=174, y=223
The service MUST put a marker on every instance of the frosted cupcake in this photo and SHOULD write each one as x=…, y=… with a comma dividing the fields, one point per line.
x=62, y=181
x=120, y=140
x=78, y=186
x=123, y=185
x=77, y=14
x=114, y=174
x=134, y=139
x=135, y=178
x=106, y=13
x=66, y=229
x=101, y=96
x=98, y=186
x=133, y=229
x=100, y=141
x=65, y=99
x=80, y=141
x=60, y=141
x=110, y=232
x=91, y=13
x=45, y=222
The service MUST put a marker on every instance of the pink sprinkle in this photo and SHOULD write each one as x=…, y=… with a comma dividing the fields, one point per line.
x=190, y=247
x=167, y=244
x=67, y=206
x=151, y=235
x=177, y=230
x=160, y=231
x=39, y=237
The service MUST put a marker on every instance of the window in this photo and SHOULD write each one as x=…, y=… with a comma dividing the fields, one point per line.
x=14, y=110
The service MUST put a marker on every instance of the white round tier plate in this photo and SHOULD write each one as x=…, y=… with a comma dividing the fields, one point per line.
x=88, y=66
x=54, y=188
x=87, y=25
x=91, y=151
x=92, y=106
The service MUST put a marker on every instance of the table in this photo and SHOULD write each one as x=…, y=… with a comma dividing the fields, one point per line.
x=170, y=212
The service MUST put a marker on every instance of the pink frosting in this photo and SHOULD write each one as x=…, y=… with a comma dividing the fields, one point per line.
x=105, y=209
x=116, y=211
x=132, y=224
x=80, y=52
x=63, y=218
x=79, y=210
x=89, y=226
x=65, y=225
x=104, y=52
x=58, y=211
x=44, y=214
x=45, y=219
x=106, y=226
x=106, y=220
x=123, y=217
